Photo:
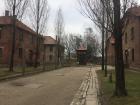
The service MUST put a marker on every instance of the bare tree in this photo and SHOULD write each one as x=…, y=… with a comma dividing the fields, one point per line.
x=70, y=44
x=38, y=17
x=17, y=9
x=114, y=10
x=91, y=43
x=67, y=43
x=19, y=5
x=59, y=31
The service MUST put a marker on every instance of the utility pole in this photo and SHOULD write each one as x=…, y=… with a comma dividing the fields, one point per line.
x=13, y=38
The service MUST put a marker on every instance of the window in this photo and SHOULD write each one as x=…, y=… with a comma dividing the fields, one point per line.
x=133, y=55
x=38, y=40
x=125, y=38
x=50, y=57
x=33, y=39
x=1, y=52
x=132, y=33
x=20, y=36
x=0, y=32
x=20, y=52
x=51, y=48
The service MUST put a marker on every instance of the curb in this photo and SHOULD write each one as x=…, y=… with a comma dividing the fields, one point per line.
x=12, y=77
x=88, y=93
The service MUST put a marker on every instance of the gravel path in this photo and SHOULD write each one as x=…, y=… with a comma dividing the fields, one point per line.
x=49, y=88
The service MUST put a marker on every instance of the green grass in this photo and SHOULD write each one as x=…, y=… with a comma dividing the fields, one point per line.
x=132, y=85
x=4, y=72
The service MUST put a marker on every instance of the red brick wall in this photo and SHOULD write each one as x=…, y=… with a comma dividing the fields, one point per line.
x=26, y=44
x=110, y=53
x=132, y=44
x=5, y=44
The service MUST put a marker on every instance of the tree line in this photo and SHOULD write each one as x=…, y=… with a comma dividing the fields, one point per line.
x=108, y=16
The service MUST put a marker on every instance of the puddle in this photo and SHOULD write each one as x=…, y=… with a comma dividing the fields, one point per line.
x=26, y=85
x=33, y=86
x=18, y=84
x=60, y=75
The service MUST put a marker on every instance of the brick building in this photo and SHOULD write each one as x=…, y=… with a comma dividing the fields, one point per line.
x=25, y=43
x=51, y=51
x=110, y=51
x=131, y=38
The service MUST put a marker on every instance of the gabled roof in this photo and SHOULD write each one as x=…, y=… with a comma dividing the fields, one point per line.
x=7, y=20
x=134, y=11
x=49, y=40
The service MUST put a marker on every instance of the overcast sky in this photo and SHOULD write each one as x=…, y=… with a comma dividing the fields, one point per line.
x=74, y=21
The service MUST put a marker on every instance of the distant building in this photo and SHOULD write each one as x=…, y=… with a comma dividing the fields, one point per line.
x=131, y=38
x=52, y=55
x=25, y=43
x=81, y=55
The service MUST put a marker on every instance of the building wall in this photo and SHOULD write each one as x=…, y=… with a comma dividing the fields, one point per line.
x=24, y=47
x=110, y=53
x=131, y=42
x=51, y=54
x=5, y=42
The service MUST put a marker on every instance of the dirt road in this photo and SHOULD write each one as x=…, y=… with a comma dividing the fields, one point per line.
x=49, y=88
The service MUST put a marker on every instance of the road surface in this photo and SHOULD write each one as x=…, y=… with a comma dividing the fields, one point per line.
x=50, y=88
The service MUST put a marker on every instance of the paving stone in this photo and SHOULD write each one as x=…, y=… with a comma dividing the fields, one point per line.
x=89, y=89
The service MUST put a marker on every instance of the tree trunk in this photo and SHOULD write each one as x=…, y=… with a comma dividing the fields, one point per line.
x=106, y=42
x=44, y=58
x=119, y=64
x=69, y=55
x=13, y=39
x=103, y=63
x=37, y=53
x=119, y=68
x=38, y=37
x=106, y=60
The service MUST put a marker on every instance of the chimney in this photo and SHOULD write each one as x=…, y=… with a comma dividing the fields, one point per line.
x=6, y=13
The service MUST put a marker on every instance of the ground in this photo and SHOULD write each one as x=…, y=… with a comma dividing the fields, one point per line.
x=132, y=86
x=50, y=88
